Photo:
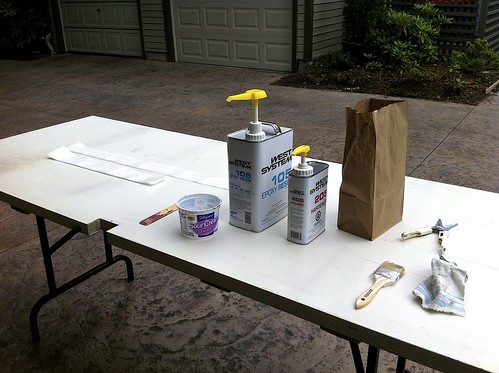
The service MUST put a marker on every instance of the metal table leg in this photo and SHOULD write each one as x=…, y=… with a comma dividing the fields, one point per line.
x=401, y=364
x=357, y=357
x=54, y=290
x=372, y=359
x=354, y=346
x=372, y=356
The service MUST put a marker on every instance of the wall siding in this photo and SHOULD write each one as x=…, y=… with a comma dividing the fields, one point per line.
x=320, y=28
x=300, y=30
x=491, y=29
x=153, y=28
x=328, y=27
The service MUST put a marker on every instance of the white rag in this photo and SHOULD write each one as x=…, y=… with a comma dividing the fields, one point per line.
x=444, y=290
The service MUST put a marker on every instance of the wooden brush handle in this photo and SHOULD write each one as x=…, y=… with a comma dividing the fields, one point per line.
x=367, y=296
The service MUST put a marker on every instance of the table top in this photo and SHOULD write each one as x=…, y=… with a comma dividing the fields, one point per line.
x=318, y=282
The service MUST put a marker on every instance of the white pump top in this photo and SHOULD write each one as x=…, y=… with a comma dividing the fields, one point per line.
x=303, y=169
x=254, y=132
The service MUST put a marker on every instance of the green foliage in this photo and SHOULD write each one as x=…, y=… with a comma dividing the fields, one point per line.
x=457, y=85
x=341, y=60
x=360, y=16
x=21, y=24
x=432, y=15
x=373, y=64
x=475, y=58
x=405, y=42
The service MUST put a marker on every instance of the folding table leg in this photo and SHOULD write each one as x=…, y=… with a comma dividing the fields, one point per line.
x=357, y=357
x=55, y=290
x=372, y=359
x=354, y=346
x=401, y=365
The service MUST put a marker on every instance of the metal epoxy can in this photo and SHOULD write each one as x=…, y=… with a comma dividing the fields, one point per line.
x=259, y=160
x=258, y=178
x=307, y=196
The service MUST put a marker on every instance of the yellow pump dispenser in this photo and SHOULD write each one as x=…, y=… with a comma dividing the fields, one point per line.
x=303, y=168
x=259, y=160
x=254, y=131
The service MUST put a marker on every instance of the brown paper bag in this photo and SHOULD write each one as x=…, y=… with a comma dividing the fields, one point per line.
x=373, y=172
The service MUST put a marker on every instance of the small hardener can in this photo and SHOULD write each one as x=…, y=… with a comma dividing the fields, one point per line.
x=307, y=193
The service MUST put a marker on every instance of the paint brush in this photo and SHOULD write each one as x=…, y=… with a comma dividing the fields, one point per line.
x=387, y=274
x=160, y=214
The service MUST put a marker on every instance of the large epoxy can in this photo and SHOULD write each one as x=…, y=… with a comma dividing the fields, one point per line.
x=307, y=204
x=258, y=177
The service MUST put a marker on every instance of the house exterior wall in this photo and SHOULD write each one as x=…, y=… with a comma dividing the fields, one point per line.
x=327, y=26
x=319, y=28
x=300, y=30
x=490, y=16
x=153, y=29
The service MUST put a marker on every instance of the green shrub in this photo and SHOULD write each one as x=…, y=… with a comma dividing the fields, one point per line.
x=22, y=24
x=341, y=60
x=359, y=17
x=475, y=58
x=405, y=42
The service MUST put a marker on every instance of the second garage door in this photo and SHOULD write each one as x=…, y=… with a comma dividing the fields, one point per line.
x=102, y=26
x=255, y=34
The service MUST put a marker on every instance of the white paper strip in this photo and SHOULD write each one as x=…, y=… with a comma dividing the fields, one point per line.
x=129, y=168
x=156, y=168
x=63, y=154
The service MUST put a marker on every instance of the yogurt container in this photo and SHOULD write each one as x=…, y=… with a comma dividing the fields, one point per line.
x=199, y=215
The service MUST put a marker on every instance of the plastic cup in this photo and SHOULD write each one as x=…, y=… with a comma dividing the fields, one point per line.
x=199, y=215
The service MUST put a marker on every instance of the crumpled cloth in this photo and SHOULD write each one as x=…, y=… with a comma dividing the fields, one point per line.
x=444, y=290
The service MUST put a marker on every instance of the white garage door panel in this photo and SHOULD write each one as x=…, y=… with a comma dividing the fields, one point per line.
x=189, y=18
x=76, y=39
x=217, y=19
x=277, y=20
x=277, y=53
x=132, y=43
x=191, y=49
x=130, y=16
x=95, y=41
x=254, y=34
x=113, y=42
x=111, y=16
x=106, y=42
x=218, y=49
x=90, y=16
x=109, y=27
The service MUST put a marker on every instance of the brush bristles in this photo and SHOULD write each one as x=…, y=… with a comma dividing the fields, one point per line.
x=390, y=270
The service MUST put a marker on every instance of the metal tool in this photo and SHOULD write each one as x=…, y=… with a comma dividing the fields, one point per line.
x=439, y=228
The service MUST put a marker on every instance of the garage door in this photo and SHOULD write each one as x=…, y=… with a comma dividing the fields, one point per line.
x=238, y=33
x=109, y=27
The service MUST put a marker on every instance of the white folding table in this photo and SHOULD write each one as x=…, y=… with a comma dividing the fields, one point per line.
x=318, y=282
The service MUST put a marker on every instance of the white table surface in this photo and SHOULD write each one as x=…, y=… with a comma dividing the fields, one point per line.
x=318, y=282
